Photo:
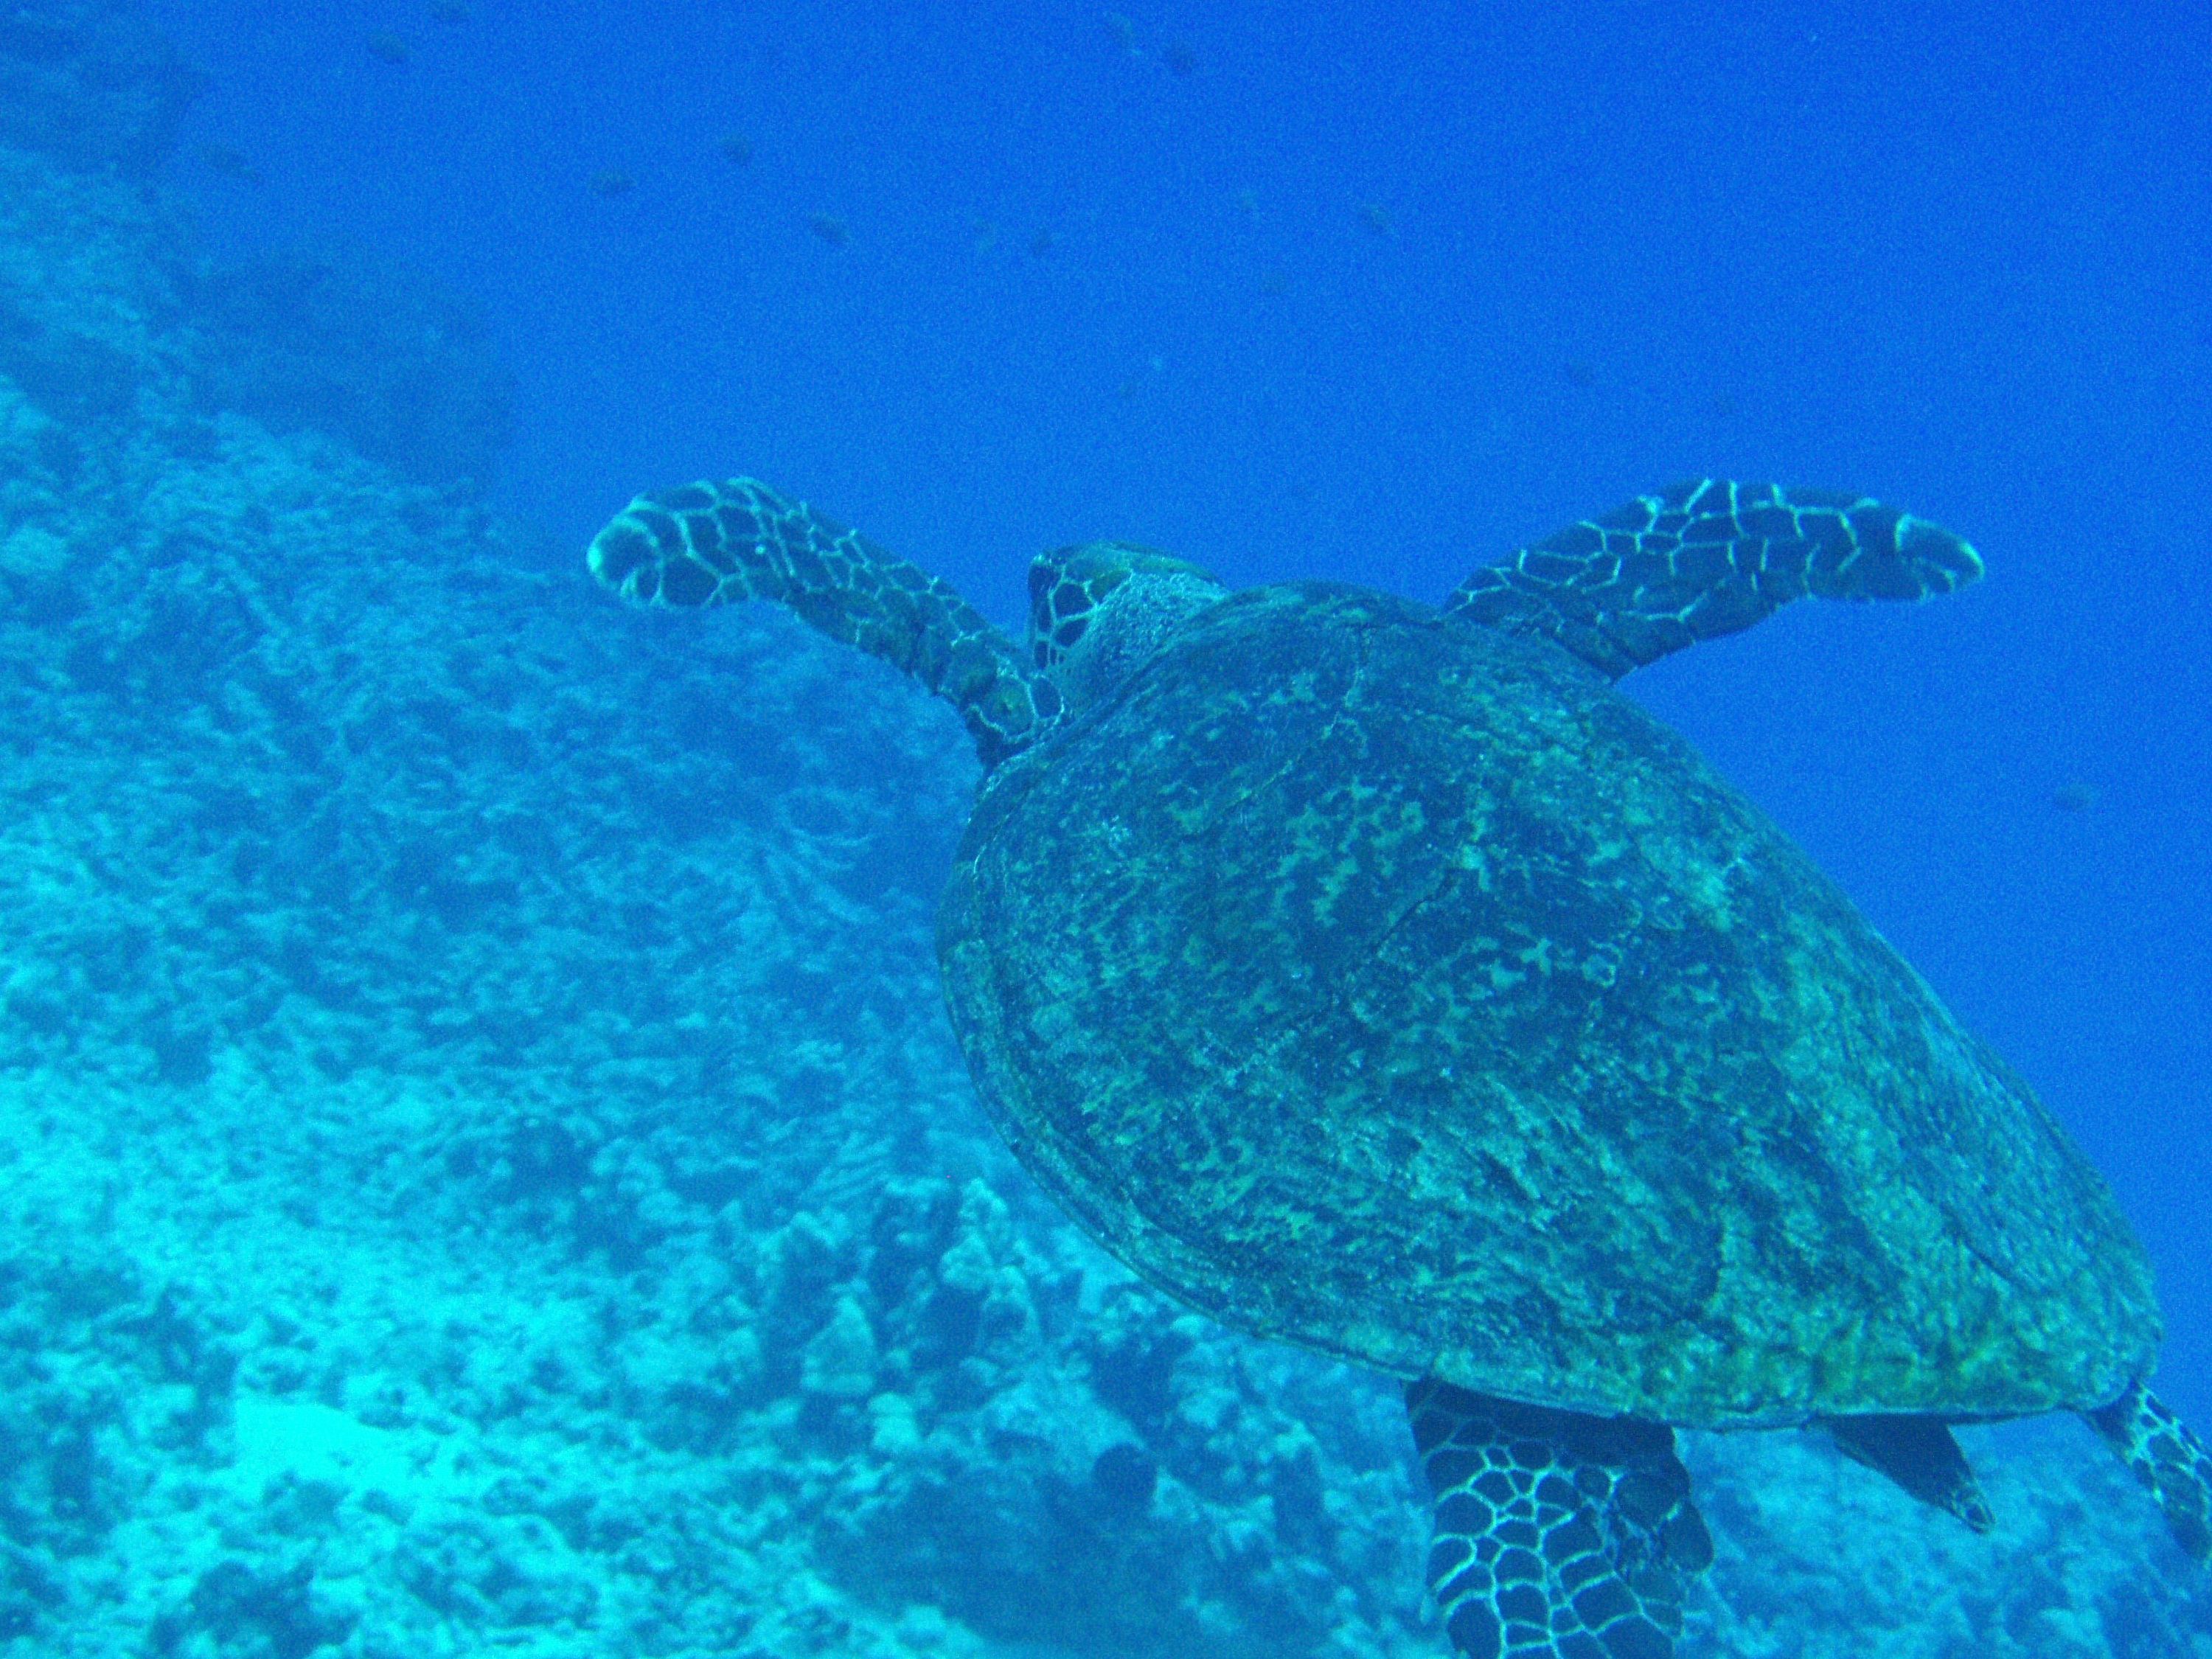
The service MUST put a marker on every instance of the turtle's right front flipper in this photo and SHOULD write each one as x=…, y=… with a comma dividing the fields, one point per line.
x=1699, y=560
x=717, y=544
x=1558, y=1536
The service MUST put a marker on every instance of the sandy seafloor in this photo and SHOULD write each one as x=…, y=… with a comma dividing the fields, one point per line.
x=483, y=1167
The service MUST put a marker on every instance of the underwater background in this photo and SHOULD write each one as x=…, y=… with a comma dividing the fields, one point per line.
x=483, y=1166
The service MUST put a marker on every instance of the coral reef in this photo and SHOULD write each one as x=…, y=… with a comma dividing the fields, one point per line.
x=90, y=281
x=92, y=84
x=109, y=313
x=336, y=339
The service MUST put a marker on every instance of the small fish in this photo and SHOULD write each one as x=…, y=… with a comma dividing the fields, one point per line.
x=1275, y=282
x=1041, y=244
x=736, y=147
x=612, y=182
x=830, y=228
x=1179, y=58
x=2074, y=797
x=986, y=234
x=389, y=47
x=449, y=11
x=1579, y=372
x=1376, y=217
x=1123, y=31
x=231, y=163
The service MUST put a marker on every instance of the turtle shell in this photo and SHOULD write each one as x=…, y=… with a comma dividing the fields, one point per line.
x=1382, y=983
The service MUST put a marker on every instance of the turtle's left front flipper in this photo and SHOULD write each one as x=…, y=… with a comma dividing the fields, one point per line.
x=1703, y=559
x=2167, y=1457
x=723, y=543
x=1558, y=1536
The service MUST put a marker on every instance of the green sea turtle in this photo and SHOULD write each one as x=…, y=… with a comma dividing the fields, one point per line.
x=1375, y=976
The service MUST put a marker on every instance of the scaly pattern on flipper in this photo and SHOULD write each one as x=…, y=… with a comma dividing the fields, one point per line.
x=1558, y=1536
x=718, y=543
x=1698, y=560
x=2167, y=1458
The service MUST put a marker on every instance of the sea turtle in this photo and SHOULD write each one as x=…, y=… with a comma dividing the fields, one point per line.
x=1376, y=977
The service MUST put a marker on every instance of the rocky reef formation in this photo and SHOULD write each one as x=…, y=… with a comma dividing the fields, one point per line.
x=91, y=84
x=104, y=297
x=336, y=339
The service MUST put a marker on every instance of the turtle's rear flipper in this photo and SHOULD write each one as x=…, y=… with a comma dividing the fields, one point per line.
x=1558, y=1536
x=1920, y=1455
x=2169, y=1460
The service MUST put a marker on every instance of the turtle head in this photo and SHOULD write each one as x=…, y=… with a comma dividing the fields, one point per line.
x=1100, y=610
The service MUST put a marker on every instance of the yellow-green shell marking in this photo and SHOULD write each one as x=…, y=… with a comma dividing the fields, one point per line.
x=1391, y=985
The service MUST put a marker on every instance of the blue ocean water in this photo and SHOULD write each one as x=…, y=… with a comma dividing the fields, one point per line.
x=1314, y=291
